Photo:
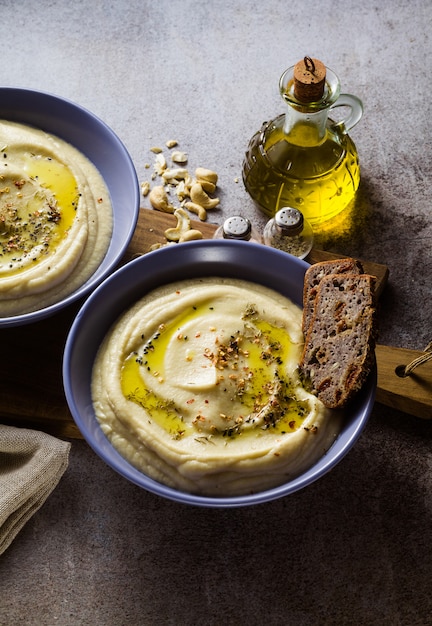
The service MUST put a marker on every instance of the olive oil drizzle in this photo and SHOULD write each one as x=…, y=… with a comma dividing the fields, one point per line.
x=250, y=366
x=37, y=210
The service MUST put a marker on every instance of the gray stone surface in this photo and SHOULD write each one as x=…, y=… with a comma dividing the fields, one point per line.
x=355, y=547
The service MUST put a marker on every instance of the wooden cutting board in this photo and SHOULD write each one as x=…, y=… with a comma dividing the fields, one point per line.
x=31, y=387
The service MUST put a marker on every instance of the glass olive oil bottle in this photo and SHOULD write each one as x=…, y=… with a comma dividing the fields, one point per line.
x=302, y=158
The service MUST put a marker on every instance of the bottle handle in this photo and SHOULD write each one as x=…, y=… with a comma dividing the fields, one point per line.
x=356, y=111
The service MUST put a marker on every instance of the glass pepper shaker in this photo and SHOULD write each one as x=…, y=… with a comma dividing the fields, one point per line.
x=290, y=232
x=238, y=228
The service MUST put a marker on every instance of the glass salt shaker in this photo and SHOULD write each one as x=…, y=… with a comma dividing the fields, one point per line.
x=238, y=228
x=290, y=232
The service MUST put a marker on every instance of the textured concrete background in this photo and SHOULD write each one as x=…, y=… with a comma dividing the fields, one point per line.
x=354, y=548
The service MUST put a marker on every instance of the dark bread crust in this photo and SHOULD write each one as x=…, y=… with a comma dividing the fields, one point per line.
x=313, y=277
x=340, y=343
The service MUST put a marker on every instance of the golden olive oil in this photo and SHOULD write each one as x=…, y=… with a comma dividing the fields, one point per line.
x=264, y=350
x=57, y=178
x=36, y=212
x=320, y=178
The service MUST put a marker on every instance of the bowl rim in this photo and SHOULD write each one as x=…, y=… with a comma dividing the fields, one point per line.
x=91, y=430
x=98, y=276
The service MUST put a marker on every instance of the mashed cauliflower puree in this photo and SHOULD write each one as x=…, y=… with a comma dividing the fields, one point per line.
x=197, y=386
x=55, y=219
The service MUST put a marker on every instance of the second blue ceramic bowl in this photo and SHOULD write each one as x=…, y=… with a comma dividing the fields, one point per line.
x=99, y=144
x=247, y=261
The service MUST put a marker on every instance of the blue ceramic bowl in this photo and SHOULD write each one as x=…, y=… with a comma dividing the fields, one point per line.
x=99, y=143
x=247, y=261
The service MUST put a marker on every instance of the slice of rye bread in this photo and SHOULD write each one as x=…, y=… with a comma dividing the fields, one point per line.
x=313, y=276
x=339, y=346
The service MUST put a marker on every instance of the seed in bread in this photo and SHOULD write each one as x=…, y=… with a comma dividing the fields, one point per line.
x=313, y=276
x=339, y=346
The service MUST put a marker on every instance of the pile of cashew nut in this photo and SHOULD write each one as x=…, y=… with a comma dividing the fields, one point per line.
x=193, y=194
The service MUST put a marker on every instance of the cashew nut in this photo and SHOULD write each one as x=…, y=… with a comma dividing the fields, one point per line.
x=159, y=199
x=171, y=143
x=197, y=209
x=179, y=157
x=175, y=174
x=199, y=196
x=157, y=246
x=160, y=164
x=191, y=235
x=183, y=225
x=201, y=173
x=189, y=181
x=207, y=185
x=181, y=191
x=145, y=188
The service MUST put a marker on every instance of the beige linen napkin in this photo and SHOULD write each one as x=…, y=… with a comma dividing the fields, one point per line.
x=31, y=465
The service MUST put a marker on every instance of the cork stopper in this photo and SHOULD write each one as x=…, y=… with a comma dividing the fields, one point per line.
x=309, y=80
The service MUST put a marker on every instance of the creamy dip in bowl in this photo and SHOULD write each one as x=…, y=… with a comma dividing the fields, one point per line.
x=69, y=202
x=158, y=424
